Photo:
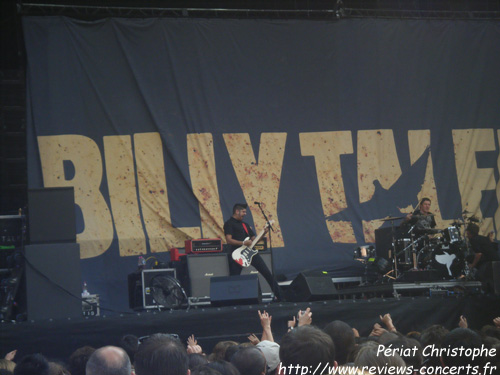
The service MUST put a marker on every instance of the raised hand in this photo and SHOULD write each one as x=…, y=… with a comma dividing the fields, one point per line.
x=305, y=317
x=462, y=323
x=377, y=330
x=253, y=339
x=387, y=320
x=192, y=345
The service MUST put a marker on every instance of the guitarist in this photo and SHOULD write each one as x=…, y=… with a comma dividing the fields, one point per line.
x=236, y=231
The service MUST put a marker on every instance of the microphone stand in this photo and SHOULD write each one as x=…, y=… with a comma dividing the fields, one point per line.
x=270, y=248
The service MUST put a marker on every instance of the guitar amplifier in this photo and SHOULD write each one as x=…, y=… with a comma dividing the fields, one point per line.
x=203, y=245
x=261, y=245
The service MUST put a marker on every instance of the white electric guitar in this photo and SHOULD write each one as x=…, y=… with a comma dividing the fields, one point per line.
x=244, y=254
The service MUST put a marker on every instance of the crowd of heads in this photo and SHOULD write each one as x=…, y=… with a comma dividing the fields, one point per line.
x=304, y=349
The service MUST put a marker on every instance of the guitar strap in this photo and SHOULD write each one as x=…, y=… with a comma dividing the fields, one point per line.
x=245, y=227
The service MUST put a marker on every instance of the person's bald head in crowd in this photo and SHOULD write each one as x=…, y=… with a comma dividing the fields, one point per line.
x=109, y=360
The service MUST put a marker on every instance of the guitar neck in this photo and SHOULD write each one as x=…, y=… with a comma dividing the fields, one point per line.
x=257, y=239
x=261, y=233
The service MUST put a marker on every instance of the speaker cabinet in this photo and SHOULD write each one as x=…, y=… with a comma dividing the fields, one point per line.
x=50, y=268
x=265, y=287
x=313, y=286
x=235, y=290
x=383, y=242
x=201, y=268
x=51, y=213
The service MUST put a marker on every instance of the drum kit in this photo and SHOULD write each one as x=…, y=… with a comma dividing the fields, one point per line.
x=443, y=250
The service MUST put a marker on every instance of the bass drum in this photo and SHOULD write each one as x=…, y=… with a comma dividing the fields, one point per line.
x=448, y=263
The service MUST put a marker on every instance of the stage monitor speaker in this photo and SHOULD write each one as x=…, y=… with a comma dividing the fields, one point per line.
x=201, y=268
x=235, y=290
x=52, y=274
x=51, y=214
x=496, y=277
x=312, y=286
x=265, y=287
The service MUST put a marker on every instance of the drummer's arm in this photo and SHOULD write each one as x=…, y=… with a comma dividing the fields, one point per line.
x=477, y=258
x=433, y=224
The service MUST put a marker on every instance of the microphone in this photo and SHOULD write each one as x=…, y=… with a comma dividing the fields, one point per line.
x=256, y=203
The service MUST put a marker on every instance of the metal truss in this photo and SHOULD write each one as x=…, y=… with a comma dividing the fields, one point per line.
x=278, y=9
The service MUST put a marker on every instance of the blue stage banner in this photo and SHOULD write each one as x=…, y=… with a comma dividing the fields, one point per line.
x=161, y=125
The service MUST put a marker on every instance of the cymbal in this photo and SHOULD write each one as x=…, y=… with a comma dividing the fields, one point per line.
x=389, y=218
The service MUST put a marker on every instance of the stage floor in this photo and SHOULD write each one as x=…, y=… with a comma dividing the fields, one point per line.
x=57, y=339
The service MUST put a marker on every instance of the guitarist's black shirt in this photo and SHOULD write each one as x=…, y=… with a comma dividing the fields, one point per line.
x=235, y=229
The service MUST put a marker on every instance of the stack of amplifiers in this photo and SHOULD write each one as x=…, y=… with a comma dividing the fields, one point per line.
x=203, y=245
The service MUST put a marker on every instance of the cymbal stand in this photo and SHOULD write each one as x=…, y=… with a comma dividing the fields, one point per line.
x=395, y=259
x=413, y=247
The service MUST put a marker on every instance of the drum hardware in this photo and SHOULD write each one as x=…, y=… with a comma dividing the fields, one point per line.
x=430, y=231
x=414, y=249
x=368, y=256
x=452, y=234
x=403, y=246
x=392, y=218
x=392, y=251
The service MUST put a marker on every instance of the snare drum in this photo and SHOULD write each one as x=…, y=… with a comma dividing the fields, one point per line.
x=452, y=234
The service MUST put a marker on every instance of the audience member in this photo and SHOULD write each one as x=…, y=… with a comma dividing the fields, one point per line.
x=460, y=338
x=78, y=360
x=161, y=354
x=204, y=370
x=196, y=359
x=129, y=343
x=307, y=346
x=371, y=359
x=224, y=367
x=33, y=364
x=433, y=335
x=265, y=321
x=230, y=352
x=250, y=361
x=343, y=339
x=109, y=360
x=219, y=350
x=271, y=351
x=7, y=364
x=409, y=350
x=57, y=369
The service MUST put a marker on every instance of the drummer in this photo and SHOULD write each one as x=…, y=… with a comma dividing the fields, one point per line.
x=421, y=218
